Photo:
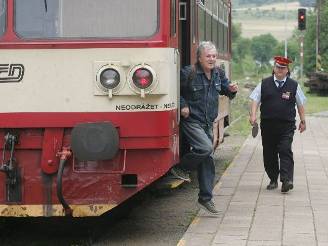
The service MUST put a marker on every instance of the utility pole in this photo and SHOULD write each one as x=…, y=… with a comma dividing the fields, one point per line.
x=317, y=50
x=301, y=53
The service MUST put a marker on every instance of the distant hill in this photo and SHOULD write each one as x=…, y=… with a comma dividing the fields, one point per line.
x=268, y=18
x=258, y=3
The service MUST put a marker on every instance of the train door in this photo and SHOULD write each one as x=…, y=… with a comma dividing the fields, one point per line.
x=185, y=51
x=184, y=32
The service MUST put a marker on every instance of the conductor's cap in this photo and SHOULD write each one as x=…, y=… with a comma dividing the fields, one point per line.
x=281, y=61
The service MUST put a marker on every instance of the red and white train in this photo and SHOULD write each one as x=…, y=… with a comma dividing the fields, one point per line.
x=89, y=93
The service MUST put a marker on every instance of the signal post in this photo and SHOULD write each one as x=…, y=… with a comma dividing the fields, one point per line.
x=301, y=26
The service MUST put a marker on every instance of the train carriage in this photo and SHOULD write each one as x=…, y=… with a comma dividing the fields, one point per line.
x=89, y=94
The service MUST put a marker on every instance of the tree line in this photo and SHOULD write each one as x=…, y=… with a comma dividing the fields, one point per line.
x=252, y=57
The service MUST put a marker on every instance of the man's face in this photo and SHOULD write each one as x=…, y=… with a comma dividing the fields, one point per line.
x=280, y=72
x=207, y=59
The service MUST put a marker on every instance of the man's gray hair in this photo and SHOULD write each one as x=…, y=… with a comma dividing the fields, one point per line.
x=204, y=45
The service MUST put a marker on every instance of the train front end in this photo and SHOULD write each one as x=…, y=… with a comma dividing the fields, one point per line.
x=88, y=104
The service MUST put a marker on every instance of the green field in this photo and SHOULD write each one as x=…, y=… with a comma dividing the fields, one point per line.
x=277, y=19
x=316, y=103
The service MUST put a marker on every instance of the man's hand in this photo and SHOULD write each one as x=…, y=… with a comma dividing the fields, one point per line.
x=185, y=112
x=233, y=87
x=302, y=126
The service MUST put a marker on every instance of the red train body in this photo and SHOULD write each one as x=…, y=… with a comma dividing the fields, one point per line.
x=89, y=95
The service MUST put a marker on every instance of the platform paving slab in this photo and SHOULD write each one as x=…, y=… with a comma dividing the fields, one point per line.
x=250, y=215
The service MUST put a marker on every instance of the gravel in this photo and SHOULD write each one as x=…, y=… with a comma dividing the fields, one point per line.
x=152, y=217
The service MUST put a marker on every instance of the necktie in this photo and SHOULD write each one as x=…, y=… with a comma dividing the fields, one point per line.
x=280, y=82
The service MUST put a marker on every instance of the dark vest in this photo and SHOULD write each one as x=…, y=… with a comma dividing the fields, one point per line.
x=278, y=103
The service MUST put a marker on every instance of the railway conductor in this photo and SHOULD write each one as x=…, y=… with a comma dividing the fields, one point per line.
x=278, y=95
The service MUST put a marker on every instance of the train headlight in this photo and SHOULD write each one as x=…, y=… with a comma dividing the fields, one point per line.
x=142, y=79
x=109, y=78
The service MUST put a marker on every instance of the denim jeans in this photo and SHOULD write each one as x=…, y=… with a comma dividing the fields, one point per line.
x=200, y=138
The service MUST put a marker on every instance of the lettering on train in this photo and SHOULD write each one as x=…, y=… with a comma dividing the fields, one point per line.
x=137, y=107
x=169, y=105
x=11, y=73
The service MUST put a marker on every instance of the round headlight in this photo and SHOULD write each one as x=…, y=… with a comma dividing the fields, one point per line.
x=109, y=78
x=142, y=78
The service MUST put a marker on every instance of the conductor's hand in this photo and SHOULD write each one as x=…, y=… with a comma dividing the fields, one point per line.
x=302, y=126
x=252, y=119
x=233, y=87
x=185, y=112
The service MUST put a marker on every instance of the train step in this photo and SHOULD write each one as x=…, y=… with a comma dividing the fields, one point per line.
x=168, y=182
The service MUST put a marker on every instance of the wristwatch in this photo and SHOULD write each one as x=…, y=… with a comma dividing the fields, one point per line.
x=303, y=122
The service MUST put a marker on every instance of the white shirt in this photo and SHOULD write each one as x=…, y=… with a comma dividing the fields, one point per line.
x=300, y=97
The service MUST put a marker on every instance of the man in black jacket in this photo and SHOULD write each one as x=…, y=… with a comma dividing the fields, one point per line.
x=278, y=95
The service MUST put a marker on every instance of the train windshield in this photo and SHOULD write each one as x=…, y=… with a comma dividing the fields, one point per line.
x=3, y=12
x=76, y=19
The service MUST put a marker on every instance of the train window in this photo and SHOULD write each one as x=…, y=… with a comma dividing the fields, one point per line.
x=200, y=2
x=215, y=31
x=201, y=23
x=221, y=10
x=226, y=39
x=3, y=11
x=86, y=18
x=193, y=22
x=225, y=14
x=221, y=37
x=223, y=26
x=208, y=26
x=183, y=11
x=216, y=8
x=208, y=6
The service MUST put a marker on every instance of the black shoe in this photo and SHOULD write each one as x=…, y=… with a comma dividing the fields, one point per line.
x=180, y=174
x=273, y=185
x=286, y=186
x=208, y=206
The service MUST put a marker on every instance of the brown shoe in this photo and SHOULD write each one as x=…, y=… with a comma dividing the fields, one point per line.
x=273, y=185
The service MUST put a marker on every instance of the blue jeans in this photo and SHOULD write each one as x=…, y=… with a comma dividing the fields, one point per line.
x=200, y=138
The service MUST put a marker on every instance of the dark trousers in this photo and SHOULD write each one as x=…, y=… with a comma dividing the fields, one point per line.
x=200, y=156
x=277, y=139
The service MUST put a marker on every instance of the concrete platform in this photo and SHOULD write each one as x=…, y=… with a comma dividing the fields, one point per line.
x=250, y=215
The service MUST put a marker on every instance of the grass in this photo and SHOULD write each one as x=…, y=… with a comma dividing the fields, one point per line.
x=316, y=103
x=240, y=127
x=239, y=109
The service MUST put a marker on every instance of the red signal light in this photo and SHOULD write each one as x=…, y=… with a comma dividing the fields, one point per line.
x=301, y=19
x=142, y=78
